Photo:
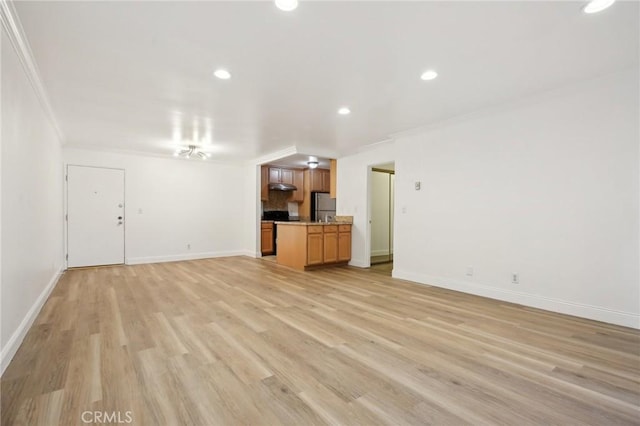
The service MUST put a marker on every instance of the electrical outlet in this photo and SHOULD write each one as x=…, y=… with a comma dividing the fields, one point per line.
x=469, y=271
x=515, y=278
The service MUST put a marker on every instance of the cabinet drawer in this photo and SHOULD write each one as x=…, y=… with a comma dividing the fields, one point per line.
x=344, y=228
x=330, y=228
x=314, y=229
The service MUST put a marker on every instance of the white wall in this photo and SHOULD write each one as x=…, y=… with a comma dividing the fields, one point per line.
x=548, y=188
x=252, y=211
x=170, y=203
x=353, y=192
x=31, y=217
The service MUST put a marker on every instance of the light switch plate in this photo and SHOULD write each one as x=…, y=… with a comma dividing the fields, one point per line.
x=417, y=184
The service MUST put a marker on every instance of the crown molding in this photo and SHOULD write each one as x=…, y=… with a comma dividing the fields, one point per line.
x=69, y=148
x=15, y=33
x=286, y=152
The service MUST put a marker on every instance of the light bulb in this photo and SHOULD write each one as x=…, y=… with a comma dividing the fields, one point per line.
x=287, y=5
x=222, y=74
x=429, y=75
x=595, y=6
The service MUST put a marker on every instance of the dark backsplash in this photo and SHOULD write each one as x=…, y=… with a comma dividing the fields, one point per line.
x=277, y=200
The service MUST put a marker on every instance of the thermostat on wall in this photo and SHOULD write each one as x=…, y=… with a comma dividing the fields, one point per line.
x=417, y=184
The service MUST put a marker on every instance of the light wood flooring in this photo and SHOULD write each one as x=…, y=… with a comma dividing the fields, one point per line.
x=243, y=341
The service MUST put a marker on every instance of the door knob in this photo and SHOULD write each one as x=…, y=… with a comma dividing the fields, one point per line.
x=119, y=217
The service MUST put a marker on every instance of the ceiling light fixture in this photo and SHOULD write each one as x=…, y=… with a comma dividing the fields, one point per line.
x=313, y=162
x=595, y=6
x=222, y=74
x=287, y=5
x=191, y=150
x=429, y=75
x=344, y=111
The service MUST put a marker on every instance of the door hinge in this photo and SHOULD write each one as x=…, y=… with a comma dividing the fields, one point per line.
x=66, y=217
x=66, y=178
x=67, y=257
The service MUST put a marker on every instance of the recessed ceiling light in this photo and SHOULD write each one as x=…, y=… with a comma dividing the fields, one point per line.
x=287, y=5
x=595, y=6
x=344, y=111
x=222, y=74
x=429, y=75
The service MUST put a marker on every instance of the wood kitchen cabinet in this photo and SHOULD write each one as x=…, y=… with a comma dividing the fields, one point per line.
x=264, y=183
x=330, y=241
x=270, y=174
x=279, y=175
x=297, y=196
x=303, y=246
x=266, y=238
x=344, y=243
x=314, y=246
x=320, y=180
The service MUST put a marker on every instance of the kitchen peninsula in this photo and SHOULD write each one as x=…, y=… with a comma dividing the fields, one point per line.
x=306, y=245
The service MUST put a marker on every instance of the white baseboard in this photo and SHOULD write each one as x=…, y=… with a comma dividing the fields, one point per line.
x=249, y=253
x=359, y=263
x=189, y=256
x=16, y=339
x=626, y=319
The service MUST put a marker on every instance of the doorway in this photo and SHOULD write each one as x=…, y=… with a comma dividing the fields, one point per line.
x=95, y=216
x=382, y=211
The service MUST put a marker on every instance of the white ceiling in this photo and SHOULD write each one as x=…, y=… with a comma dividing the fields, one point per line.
x=300, y=161
x=121, y=75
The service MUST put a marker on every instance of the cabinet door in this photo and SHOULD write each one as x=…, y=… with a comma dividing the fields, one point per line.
x=286, y=176
x=330, y=247
x=344, y=246
x=298, y=180
x=274, y=175
x=316, y=180
x=267, y=240
x=314, y=249
x=264, y=183
x=326, y=181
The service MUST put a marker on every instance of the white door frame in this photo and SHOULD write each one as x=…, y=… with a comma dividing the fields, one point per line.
x=367, y=239
x=66, y=209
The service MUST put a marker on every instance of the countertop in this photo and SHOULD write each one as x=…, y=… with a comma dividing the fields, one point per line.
x=309, y=223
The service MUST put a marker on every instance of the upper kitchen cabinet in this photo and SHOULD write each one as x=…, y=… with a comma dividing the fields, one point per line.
x=271, y=174
x=278, y=175
x=333, y=179
x=298, y=180
x=264, y=183
x=320, y=180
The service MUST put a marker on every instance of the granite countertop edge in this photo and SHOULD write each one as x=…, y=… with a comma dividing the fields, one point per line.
x=308, y=223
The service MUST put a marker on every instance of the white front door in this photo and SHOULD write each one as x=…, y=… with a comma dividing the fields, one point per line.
x=95, y=216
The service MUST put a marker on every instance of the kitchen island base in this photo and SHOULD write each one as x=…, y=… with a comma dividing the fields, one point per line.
x=307, y=245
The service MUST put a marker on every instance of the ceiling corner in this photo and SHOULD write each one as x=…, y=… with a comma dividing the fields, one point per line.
x=15, y=33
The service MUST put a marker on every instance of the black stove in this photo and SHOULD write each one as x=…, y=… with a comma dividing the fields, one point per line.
x=277, y=215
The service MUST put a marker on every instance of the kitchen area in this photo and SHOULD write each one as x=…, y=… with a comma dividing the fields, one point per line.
x=299, y=227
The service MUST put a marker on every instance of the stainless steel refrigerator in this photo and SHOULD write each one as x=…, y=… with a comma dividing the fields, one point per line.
x=323, y=207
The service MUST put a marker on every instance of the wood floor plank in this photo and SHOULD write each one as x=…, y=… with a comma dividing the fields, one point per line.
x=245, y=341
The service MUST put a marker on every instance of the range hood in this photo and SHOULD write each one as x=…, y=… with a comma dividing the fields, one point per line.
x=282, y=187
